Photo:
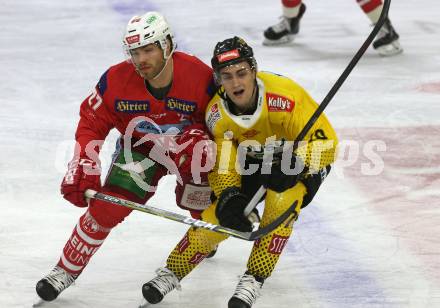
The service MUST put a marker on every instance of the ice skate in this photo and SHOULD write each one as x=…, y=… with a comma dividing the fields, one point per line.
x=246, y=292
x=387, y=40
x=155, y=290
x=283, y=32
x=54, y=283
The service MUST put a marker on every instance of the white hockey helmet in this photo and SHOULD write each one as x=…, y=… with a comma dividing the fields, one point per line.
x=146, y=29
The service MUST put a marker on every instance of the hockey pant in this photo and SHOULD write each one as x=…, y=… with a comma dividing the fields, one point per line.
x=96, y=223
x=198, y=243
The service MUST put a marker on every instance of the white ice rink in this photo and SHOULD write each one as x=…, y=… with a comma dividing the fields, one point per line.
x=365, y=241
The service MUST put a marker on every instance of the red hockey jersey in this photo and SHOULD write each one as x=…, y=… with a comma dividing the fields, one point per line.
x=121, y=97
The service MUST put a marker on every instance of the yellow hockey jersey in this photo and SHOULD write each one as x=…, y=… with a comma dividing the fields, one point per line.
x=283, y=109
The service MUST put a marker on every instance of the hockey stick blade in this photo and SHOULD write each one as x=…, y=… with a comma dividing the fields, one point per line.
x=249, y=236
x=335, y=88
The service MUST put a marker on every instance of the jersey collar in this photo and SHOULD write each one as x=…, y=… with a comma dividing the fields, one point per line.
x=247, y=121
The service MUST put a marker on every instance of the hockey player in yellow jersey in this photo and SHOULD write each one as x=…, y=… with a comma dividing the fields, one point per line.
x=254, y=119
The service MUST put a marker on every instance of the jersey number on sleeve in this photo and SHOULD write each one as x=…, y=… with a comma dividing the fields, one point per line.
x=95, y=100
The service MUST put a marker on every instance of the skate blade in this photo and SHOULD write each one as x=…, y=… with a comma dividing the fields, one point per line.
x=390, y=50
x=284, y=40
x=144, y=304
x=38, y=302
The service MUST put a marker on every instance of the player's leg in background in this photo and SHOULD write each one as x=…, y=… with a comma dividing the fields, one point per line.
x=283, y=31
x=96, y=223
x=267, y=250
x=387, y=41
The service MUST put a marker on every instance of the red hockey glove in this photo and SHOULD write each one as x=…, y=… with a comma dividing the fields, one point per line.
x=82, y=174
x=199, y=152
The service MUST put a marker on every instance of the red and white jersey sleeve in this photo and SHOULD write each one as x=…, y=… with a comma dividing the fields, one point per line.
x=96, y=120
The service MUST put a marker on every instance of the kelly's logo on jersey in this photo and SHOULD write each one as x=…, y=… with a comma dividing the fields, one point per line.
x=279, y=103
x=132, y=106
x=179, y=105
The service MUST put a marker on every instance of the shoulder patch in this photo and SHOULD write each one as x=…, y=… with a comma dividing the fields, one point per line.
x=213, y=116
x=277, y=102
x=102, y=84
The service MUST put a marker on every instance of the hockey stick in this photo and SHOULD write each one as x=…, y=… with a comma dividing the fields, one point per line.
x=384, y=14
x=249, y=236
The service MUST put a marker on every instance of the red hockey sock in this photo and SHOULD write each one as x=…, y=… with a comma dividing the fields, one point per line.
x=369, y=5
x=373, y=9
x=291, y=8
x=85, y=240
x=291, y=3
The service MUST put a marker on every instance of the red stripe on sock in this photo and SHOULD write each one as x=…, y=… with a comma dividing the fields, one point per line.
x=370, y=5
x=291, y=3
x=79, y=249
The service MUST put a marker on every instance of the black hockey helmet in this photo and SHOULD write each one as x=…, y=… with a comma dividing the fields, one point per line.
x=231, y=51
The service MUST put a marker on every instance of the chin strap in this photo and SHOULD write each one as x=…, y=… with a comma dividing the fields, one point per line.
x=166, y=61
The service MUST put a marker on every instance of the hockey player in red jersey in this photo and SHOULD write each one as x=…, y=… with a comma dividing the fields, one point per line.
x=156, y=100
x=386, y=43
